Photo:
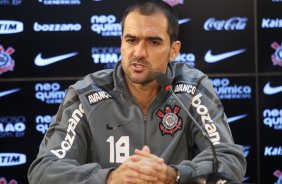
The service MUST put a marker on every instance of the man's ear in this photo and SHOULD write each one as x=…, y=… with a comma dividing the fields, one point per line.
x=174, y=51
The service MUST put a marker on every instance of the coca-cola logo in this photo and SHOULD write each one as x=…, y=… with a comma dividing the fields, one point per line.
x=233, y=23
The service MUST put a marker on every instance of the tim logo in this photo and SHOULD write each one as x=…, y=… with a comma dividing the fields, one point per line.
x=4, y=181
x=277, y=56
x=6, y=62
x=174, y=2
x=12, y=159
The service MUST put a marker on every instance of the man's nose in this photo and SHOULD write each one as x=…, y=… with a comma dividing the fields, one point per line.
x=140, y=50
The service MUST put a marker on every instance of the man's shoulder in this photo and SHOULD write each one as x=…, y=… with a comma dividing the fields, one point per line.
x=98, y=79
x=187, y=70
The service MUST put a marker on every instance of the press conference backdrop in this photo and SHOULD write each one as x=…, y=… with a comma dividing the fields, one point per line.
x=46, y=45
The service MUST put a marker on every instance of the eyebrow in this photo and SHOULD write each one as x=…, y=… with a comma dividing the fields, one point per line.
x=154, y=38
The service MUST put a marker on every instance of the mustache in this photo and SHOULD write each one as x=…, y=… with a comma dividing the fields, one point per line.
x=138, y=60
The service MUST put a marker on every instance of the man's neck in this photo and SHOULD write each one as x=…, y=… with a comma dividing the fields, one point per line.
x=143, y=94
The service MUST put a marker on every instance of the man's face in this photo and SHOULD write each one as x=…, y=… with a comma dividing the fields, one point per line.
x=145, y=47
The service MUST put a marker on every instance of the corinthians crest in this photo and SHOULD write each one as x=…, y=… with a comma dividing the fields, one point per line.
x=277, y=56
x=170, y=121
x=6, y=62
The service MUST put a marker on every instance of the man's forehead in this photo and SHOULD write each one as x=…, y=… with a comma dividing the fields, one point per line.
x=153, y=25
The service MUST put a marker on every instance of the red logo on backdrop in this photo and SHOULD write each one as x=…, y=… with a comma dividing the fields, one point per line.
x=173, y=2
x=170, y=121
x=4, y=181
x=6, y=62
x=278, y=174
x=277, y=56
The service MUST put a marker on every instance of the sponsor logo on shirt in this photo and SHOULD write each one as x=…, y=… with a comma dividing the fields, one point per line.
x=10, y=26
x=170, y=121
x=185, y=88
x=95, y=97
x=6, y=62
x=277, y=56
x=208, y=123
x=67, y=143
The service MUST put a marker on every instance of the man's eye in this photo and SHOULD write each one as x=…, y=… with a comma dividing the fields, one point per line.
x=155, y=43
x=131, y=41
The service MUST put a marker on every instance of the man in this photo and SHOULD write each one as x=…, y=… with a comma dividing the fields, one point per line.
x=120, y=126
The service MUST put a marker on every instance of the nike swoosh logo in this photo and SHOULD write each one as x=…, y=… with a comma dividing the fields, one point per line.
x=39, y=61
x=211, y=58
x=236, y=118
x=112, y=126
x=5, y=93
x=269, y=90
x=182, y=21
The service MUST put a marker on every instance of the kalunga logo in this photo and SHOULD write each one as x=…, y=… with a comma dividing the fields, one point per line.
x=277, y=56
x=6, y=62
x=10, y=26
x=271, y=23
x=231, y=24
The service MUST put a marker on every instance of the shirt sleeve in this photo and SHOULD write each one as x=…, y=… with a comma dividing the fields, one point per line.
x=208, y=111
x=62, y=155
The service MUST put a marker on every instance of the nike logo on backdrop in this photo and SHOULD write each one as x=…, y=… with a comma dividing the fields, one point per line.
x=182, y=21
x=5, y=93
x=39, y=61
x=269, y=90
x=236, y=118
x=211, y=58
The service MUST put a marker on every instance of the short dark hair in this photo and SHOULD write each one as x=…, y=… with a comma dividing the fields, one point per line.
x=149, y=7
